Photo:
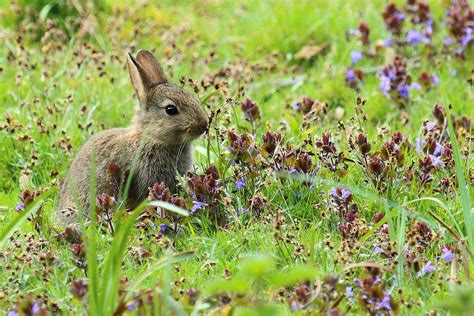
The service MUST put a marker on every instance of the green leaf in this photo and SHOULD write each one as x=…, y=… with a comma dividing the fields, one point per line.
x=294, y=275
x=21, y=217
x=235, y=285
x=257, y=266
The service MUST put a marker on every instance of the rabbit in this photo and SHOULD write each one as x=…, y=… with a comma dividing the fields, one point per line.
x=159, y=139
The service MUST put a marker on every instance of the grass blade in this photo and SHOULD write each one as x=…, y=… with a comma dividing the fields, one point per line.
x=20, y=218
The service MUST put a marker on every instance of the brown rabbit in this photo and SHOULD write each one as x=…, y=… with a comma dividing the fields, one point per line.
x=159, y=139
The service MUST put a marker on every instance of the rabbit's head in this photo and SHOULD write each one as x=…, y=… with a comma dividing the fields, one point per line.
x=168, y=113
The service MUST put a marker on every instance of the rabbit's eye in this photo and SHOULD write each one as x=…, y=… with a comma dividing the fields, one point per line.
x=171, y=110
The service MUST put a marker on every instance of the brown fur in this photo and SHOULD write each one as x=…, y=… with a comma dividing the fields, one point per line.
x=160, y=143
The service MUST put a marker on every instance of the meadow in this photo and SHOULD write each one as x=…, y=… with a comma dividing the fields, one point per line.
x=335, y=177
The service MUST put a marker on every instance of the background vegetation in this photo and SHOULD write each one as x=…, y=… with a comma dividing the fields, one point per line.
x=340, y=146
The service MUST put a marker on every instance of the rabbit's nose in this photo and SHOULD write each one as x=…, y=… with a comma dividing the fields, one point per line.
x=202, y=125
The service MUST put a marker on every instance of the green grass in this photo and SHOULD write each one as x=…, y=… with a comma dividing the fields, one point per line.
x=52, y=99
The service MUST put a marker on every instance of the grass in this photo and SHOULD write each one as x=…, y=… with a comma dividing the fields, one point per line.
x=296, y=249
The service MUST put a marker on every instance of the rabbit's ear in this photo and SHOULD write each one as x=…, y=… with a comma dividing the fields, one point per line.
x=151, y=67
x=145, y=72
x=136, y=77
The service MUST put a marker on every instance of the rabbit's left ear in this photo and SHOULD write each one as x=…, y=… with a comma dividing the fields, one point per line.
x=145, y=72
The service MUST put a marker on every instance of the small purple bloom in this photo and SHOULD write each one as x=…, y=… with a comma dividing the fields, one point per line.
x=467, y=38
x=350, y=75
x=415, y=86
x=163, y=228
x=388, y=42
x=385, y=303
x=19, y=206
x=131, y=307
x=430, y=125
x=356, y=56
x=358, y=282
x=353, y=32
x=428, y=268
x=403, y=90
x=448, y=41
x=436, y=161
x=35, y=309
x=349, y=292
x=447, y=254
x=438, y=149
x=13, y=313
x=239, y=184
x=419, y=144
x=435, y=80
x=197, y=206
x=295, y=306
x=413, y=37
x=385, y=84
x=293, y=171
x=377, y=250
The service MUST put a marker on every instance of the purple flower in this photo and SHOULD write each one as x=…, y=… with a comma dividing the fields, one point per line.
x=438, y=149
x=385, y=303
x=356, y=56
x=358, y=282
x=403, y=90
x=388, y=42
x=242, y=211
x=447, y=254
x=436, y=161
x=385, y=84
x=467, y=37
x=19, y=206
x=419, y=144
x=13, y=313
x=413, y=37
x=295, y=306
x=293, y=171
x=163, y=228
x=349, y=292
x=435, y=80
x=448, y=41
x=350, y=75
x=35, y=309
x=377, y=250
x=197, y=206
x=131, y=307
x=428, y=268
x=430, y=125
x=239, y=184
x=415, y=86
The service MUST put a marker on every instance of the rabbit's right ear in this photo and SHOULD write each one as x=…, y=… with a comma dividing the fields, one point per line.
x=145, y=72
